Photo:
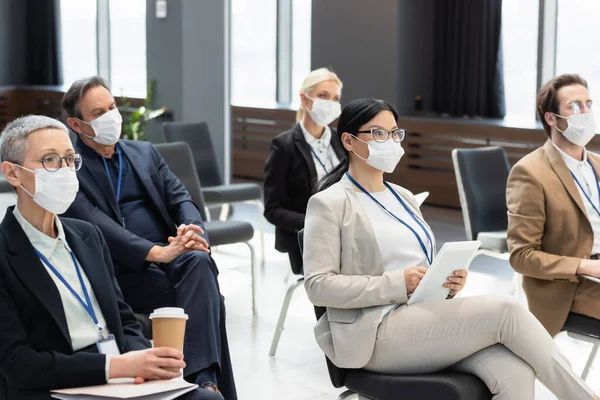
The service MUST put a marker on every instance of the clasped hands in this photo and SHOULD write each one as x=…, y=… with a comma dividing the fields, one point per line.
x=187, y=239
x=413, y=276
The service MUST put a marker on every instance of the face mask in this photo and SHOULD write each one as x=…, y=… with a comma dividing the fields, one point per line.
x=54, y=191
x=581, y=128
x=384, y=156
x=107, y=128
x=324, y=112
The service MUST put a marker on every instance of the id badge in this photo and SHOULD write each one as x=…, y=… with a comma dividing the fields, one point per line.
x=108, y=346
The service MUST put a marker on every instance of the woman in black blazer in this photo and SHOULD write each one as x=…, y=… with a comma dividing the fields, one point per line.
x=58, y=293
x=300, y=157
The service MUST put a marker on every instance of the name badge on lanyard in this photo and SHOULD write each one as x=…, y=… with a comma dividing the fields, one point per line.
x=589, y=199
x=106, y=344
x=428, y=254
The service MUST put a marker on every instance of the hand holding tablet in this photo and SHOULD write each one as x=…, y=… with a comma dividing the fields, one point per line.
x=453, y=256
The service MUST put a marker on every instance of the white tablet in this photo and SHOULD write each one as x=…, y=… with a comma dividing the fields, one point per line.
x=452, y=256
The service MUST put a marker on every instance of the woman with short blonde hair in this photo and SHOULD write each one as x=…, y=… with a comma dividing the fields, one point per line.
x=300, y=157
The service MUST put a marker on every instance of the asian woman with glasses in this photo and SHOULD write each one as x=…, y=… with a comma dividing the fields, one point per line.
x=366, y=248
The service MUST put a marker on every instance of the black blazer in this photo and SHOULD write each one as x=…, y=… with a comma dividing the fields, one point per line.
x=35, y=347
x=96, y=201
x=290, y=176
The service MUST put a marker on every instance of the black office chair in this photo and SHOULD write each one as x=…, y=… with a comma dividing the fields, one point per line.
x=179, y=158
x=446, y=385
x=197, y=135
x=481, y=175
x=154, y=132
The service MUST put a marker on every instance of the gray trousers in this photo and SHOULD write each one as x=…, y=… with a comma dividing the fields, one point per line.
x=494, y=338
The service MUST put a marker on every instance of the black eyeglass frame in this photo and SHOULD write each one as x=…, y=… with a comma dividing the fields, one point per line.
x=401, y=134
x=75, y=167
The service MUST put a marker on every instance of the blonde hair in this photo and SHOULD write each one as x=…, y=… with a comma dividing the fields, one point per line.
x=313, y=79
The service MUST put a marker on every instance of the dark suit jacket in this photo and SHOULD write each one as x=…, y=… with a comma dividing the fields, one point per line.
x=290, y=176
x=96, y=201
x=35, y=346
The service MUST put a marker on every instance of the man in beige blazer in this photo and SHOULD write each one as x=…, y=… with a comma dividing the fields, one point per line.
x=553, y=204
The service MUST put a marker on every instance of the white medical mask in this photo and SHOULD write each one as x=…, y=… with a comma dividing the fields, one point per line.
x=107, y=127
x=324, y=111
x=384, y=156
x=54, y=191
x=581, y=128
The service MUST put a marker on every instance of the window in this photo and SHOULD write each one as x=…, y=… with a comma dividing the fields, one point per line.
x=577, y=41
x=78, y=39
x=253, y=52
x=128, y=47
x=520, y=47
x=301, y=28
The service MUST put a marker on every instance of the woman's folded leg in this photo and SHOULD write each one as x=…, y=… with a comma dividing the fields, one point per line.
x=507, y=376
x=429, y=337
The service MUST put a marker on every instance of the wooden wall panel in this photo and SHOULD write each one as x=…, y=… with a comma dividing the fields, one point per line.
x=252, y=131
x=427, y=165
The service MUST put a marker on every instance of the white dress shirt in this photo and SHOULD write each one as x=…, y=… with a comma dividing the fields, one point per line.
x=322, y=151
x=398, y=246
x=82, y=329
x=586, y=176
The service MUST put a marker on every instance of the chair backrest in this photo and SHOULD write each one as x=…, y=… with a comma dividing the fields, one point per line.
x=336, y=374
x=197, y=135
x=481, y=175
x=180, y=160
x=154, y=132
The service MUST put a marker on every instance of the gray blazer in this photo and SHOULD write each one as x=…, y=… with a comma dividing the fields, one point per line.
x=344, y=272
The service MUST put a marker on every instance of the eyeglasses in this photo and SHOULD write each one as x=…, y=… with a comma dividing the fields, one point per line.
x=53, y=162
x=578, y=108
x=381, y=135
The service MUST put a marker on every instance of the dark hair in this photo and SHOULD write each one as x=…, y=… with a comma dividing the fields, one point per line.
x=353, y=116
x=547, y=99
x=71, y=99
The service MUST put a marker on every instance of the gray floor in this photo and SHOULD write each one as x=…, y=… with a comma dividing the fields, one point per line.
x=298, y=371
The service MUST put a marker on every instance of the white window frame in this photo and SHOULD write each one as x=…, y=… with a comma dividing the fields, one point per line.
x=284, y=51
x=103, y=43
x=103, y=47
x=547, y=37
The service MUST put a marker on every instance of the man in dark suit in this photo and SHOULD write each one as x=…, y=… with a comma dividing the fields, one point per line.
x=153, y=230
x=58, y=293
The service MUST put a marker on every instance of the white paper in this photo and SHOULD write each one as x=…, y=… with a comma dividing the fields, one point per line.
x=152, y=390
x=421, y=197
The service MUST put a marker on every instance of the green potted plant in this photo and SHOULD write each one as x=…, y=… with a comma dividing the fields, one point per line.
x=134, y=126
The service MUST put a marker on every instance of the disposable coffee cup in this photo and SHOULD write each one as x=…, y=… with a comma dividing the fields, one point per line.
x=168, y=327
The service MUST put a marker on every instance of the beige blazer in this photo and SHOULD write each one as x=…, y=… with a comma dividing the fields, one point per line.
x=344, y=272
x=548, y=235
